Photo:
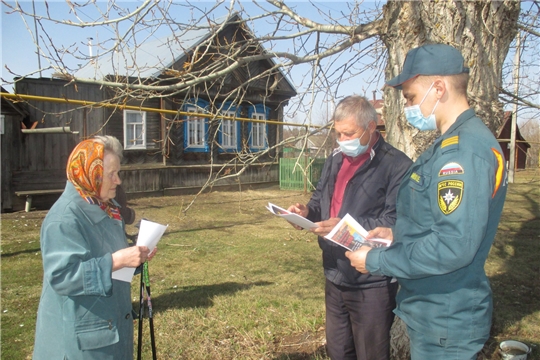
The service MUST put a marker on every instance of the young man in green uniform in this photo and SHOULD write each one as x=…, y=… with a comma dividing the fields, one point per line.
x=448, y=209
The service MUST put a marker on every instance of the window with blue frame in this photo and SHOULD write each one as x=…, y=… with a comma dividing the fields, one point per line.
x=258, y=132
x=134, y=130
x=196, y=126
x=229, y=130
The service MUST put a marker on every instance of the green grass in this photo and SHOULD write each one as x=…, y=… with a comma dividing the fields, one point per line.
x=231, y=281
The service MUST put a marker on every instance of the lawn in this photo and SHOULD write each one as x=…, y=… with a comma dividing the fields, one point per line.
x=231, y=281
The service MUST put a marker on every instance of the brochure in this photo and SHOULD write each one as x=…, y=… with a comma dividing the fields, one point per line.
x=149, y=235
x=291, y=217
x=351, y=235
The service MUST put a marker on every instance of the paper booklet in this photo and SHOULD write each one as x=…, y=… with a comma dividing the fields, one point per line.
x=149, y=235
x=351, y=235
x=291, y=217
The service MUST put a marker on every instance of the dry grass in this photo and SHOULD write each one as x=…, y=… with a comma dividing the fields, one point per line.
x=230, y=281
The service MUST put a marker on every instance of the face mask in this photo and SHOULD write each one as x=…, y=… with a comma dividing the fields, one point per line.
x=353, y=147
x=415, y=117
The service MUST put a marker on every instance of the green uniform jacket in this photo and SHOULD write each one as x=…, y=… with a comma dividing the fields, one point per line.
x=448, y=209
x=83, y=313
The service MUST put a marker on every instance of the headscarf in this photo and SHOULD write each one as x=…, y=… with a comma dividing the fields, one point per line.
x=85, y=171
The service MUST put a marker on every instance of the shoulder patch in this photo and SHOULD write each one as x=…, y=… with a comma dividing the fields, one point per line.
x=453, y=140
x=449, y=193
x=416, y=178
x=452, y=168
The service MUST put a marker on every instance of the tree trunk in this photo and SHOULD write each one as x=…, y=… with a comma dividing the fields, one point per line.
x=399, y=341
x=482, y=31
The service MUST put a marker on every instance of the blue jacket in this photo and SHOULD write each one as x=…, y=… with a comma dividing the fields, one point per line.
x=448, y=210
x=370, y=198
x=83, y=313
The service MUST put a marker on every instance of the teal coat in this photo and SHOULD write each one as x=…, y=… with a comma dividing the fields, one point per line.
x=83, y=313
x=448, y=209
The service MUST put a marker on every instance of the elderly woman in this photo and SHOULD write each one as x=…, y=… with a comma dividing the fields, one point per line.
x=84, y=313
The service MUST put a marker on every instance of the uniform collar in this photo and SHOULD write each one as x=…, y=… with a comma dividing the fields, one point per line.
x=452, y=130
x=461, y=119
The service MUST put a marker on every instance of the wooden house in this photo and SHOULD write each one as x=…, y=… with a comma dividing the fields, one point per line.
x=378, y=104
x=316, y=146
x=167, y=150
x=503, y=137
x=14, y=144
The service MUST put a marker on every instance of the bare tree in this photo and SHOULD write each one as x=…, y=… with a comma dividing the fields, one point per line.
x=529, y=80
x=353, y=42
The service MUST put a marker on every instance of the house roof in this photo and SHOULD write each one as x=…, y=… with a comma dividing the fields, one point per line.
x=319, y=140
x=7, y=105
x=504, y=130
x=378, y=104
x=314, y=141
x=151, y=58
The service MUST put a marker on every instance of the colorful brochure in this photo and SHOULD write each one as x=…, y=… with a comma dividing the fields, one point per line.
x=351, y=235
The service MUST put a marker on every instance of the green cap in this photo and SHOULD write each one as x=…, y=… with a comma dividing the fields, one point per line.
x=432, y=59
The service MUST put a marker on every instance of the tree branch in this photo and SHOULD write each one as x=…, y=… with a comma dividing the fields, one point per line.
x=83, y=24
x=516, y=99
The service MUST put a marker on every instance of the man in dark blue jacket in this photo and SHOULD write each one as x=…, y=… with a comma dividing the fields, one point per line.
x=361, y=178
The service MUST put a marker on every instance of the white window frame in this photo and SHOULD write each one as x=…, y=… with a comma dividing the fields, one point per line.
x=131, y=143
x=195, y=125
x=258, y=131
x=229, y=132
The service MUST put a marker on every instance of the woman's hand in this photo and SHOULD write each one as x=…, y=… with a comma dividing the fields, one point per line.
x=151, y=255
x=132, y=256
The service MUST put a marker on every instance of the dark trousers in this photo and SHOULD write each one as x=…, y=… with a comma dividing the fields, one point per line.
x=358, y=321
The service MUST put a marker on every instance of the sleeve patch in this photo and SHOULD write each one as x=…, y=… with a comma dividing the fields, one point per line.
x=450, y=193
x=499, y=172
x=451, y=169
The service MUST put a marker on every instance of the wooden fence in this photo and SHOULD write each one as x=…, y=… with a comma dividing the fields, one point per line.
x=291, y=173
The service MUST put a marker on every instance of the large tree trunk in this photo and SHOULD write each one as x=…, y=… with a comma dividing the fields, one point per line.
x=482, y=31
x=399, y=341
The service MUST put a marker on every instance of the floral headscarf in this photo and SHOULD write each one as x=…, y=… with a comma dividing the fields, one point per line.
x=85, y=171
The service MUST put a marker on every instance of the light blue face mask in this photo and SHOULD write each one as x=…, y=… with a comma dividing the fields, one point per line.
x=353, y=147
x=415, y=117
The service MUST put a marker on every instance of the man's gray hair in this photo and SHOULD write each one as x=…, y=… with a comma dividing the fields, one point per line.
x=111, y=144
x=359, y=108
